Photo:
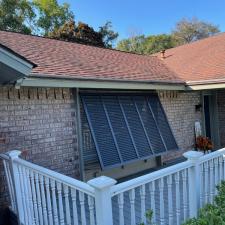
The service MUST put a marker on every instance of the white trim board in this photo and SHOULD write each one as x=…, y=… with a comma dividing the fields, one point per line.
x=15, y=62
x=44, y=82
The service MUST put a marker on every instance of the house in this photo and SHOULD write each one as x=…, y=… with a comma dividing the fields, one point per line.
x=86, y=111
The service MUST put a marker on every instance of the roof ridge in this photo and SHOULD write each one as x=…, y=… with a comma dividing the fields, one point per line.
x=191, y=43
x=85, y=60
x=88, y=45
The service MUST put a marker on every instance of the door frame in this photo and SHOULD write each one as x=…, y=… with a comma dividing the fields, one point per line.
x=214, y=121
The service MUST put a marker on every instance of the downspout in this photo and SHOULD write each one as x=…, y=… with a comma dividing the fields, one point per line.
x=79, y=134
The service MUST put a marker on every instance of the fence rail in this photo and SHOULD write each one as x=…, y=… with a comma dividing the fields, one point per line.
x=45, y=197
x=41, y=196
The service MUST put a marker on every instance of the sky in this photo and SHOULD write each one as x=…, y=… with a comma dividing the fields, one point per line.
x=147, y=17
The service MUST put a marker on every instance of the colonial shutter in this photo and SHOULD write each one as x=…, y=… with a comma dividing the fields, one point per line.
x=127, y=127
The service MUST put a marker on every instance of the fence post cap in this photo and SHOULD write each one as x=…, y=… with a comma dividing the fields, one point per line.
x=14, y=154
x=193, y=155
x=102, y=182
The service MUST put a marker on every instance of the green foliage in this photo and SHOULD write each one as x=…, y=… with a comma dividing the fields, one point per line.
x=156, y=43
x=147, y=45
x=88, y=35
x=16, y=15
x=108, y=35
x=212, y=214
x=148, y=214
x=189, y=30
x=82, y=33
x=49, y=18
x=51, y=15
x=135, y=44
x=186, y=31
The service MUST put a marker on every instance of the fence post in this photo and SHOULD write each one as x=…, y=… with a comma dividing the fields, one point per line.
x=103, y=199
x=194, y=181
x=16, y=182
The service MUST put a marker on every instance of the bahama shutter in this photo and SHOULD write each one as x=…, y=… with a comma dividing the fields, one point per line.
x=127, y=127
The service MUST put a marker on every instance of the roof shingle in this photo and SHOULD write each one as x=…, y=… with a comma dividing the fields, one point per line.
x=71, y=60
x=200, y=61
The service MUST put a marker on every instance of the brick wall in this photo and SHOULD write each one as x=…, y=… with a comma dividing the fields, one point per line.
x=42, y=123
x=180, y=111
x=221, y=115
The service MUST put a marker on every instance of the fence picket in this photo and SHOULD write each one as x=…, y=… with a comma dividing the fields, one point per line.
x=206, y=184
x=170, y=199
x=10, y=184
x=54, y=203
x=26, y=195
x=152, y=196
x=33, y=189
x=143, y=209
x=177, y=182
x=43, y=200
x=220, y=168
x=82, y=206
x=185, y=200
x=36, y=177
x=91, y=209
x=29, y=193
x=121, y=205
x=74, y=203
x=132, y=206
x=46, y=197
x=22, y=185
x=212, y=188
x=67, y=204
x=60, y=203
x=161, y=190
x=201, y=186
x=49, y=204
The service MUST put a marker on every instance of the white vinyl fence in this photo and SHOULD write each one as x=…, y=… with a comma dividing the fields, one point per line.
x=174, y=194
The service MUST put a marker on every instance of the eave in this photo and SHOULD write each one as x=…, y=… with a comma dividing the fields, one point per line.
x=100, y=84
x=206, y=84
x=13, y=66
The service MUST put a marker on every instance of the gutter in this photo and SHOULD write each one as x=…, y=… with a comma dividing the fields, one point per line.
x=206, y=84
x=33, y=81
x=89, y=78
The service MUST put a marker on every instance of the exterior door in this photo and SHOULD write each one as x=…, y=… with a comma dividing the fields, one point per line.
x=211, y=128
x=207, y=116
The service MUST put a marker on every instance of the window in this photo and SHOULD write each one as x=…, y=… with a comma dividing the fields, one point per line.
x=127, y=128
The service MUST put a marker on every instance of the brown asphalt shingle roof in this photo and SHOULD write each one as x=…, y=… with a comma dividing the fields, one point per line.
x=201, y=61
x=71, y=60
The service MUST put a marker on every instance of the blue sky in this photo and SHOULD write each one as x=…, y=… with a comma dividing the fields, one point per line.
x=146, y=16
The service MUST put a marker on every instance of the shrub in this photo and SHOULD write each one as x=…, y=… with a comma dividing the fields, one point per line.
x=148, y=214
x=212, y=214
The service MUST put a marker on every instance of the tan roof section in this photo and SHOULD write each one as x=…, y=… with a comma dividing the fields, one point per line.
x=70, y=60
x=200, y=61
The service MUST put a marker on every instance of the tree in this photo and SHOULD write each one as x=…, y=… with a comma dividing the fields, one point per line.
x=16, y=15
x=189, y=30
x=186, y=31
x=108, y=35
x=82, y=33
x=87, y=34
x=134, y=44
x=51, y=15
x=147, y=45
x=49, y=18
x=157, y=43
